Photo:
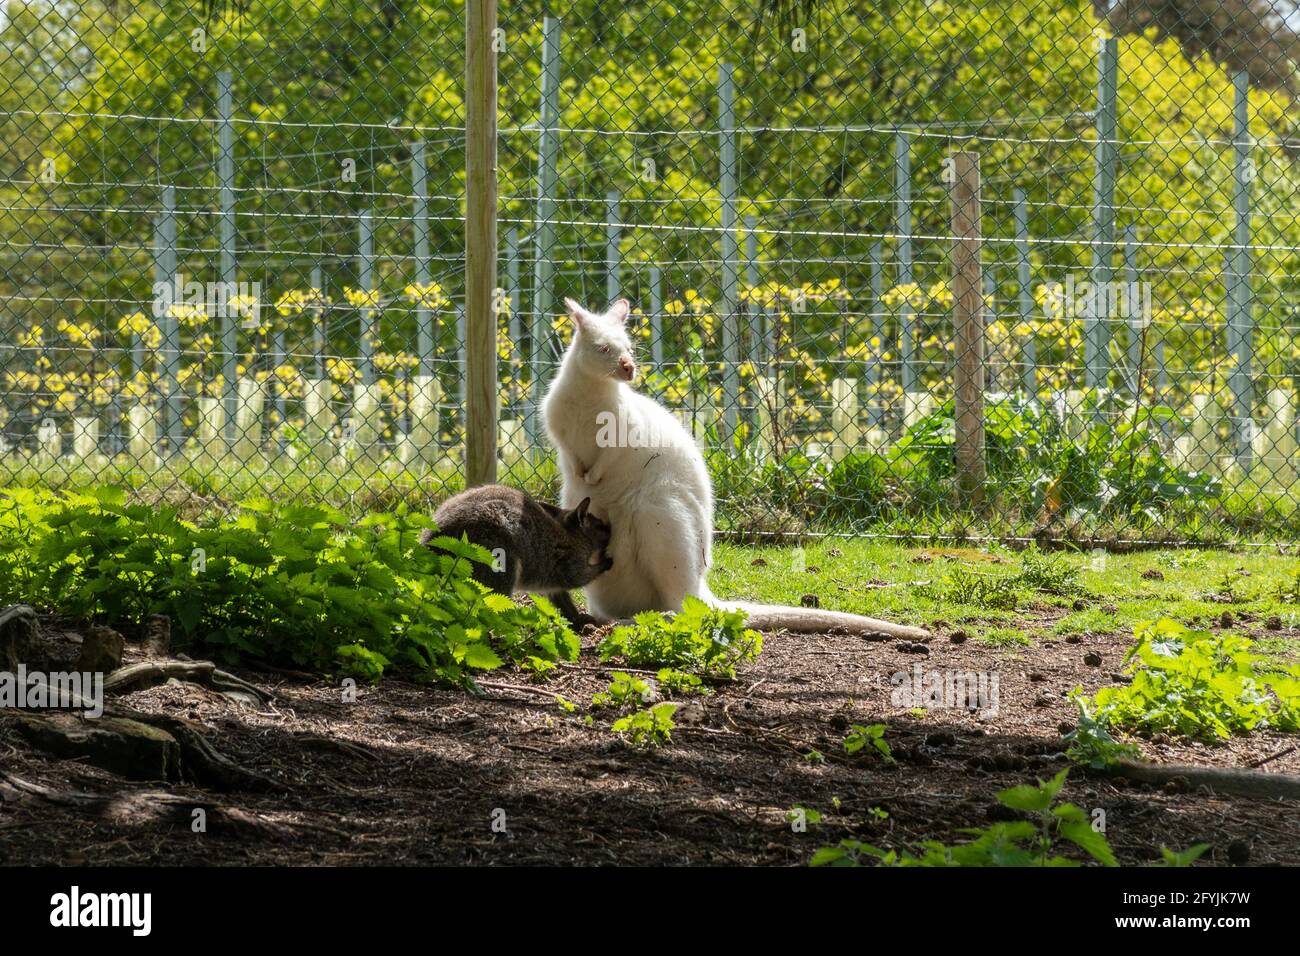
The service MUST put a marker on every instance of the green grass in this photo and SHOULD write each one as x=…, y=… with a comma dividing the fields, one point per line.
x=1004, y=637
x=884, y=579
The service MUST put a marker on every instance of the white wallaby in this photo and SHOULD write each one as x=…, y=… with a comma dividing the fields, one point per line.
x=645, y=476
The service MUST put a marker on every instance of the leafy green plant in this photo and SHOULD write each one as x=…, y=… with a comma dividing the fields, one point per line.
x=1091, y=744
x=1112, y=467
x=647, y=728
x=700, y=640
x=1179, y=858
x=873, y=735
x=1198, y=684
x=294, y=584
x=624, y=691
x=1029, y=842
x=803, y=815
x=680, y=682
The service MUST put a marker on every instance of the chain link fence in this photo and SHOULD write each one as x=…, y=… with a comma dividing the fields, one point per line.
x=1018, y=269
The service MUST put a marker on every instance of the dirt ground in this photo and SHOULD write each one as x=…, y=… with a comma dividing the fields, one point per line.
x=413, y=775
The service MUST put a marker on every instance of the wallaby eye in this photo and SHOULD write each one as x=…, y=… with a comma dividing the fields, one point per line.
x=603, y=349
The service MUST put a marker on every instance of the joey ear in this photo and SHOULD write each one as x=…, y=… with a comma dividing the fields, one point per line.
x=581, y=510
x=577, y=313
x=620, y=310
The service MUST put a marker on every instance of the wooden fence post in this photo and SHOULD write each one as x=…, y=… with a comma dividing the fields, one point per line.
x=481, y=242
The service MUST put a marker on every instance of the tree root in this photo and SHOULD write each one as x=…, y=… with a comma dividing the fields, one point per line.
x=1238, y=782
x=147, y=674
x=150, y=806
x=336, y=745
x=200, y=761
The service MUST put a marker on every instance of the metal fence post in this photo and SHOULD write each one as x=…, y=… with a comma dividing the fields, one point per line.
x=318, y=323
x=969, y=331
x=423, y=271
x=728, y=313
x=1240, y=305
x=903, y=227
x=544, y=225
x=165, y=271
x=612, y=257
x=1025, y=296
x=514, y=323
x=366, y=280
x=226, y=225
x=1133, y=304
x=876, y=306
x=656, y=317
x=1096, y=324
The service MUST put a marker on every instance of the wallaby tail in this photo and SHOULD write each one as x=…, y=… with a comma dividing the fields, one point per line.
x=808, y=620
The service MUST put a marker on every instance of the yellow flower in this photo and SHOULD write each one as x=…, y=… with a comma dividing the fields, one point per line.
x=186, y=314
x=244, y=306
x=908, y=292
x=297, y=301
x=361, y=298
x=430, y=295
x=139, y=325
x=77, y=333
x=340, y=369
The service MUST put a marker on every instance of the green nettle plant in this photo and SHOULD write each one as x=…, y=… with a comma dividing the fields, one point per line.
x=294, y=584
x=647, y=728
x=1032, y=841
x=1112, y=468
x=1092, y=745
x=862, y=735
x=624, y=691
x=1198, y=684
x=700, y=640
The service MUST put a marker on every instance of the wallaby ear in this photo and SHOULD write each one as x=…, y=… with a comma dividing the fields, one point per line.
x=577, y=313
x=619, y=310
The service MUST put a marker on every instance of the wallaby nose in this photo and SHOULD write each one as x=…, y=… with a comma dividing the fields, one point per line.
x=627, y=368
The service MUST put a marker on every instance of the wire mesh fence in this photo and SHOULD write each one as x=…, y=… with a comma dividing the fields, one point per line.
x=1016, y=269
